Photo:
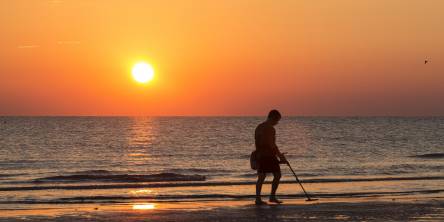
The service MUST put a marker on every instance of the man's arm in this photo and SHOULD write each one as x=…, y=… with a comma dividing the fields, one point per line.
x=272, y=143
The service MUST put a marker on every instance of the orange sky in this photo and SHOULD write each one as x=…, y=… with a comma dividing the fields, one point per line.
x=232, y=57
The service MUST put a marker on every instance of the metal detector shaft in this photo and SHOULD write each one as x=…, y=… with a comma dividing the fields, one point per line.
x=297, y=179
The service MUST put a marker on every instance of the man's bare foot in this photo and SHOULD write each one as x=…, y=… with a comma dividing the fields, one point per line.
x=275, y=200
x=259, y=202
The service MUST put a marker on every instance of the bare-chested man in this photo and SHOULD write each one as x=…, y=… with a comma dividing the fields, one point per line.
x=267, y=156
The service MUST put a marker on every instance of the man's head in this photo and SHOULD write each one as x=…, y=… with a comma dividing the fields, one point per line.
x=274, y=116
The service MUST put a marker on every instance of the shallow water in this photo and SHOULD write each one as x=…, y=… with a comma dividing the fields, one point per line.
x=79, y=158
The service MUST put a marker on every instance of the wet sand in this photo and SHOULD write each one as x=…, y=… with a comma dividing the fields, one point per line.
x=386, y=209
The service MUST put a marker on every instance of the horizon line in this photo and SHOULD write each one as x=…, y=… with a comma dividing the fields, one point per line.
x=284, y=116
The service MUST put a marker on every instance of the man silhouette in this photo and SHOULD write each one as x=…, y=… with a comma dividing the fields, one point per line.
x=267, y=155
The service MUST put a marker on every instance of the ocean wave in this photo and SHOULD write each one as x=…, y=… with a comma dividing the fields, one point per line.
x=288, y=156
x=95, y=172
x=209, y=184
x=7, y=175
x=234, y=196
x=199, y=197
x=161, y=177
x=197, y=170
x=430, y=156
x=254, y=175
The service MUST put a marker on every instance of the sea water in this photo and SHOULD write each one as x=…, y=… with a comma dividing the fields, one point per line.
x=121, y=159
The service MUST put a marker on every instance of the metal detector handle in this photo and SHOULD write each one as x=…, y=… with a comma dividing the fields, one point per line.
x=297, y=179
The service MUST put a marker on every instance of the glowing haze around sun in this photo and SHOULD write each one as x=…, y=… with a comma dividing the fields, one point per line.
x=142, y=72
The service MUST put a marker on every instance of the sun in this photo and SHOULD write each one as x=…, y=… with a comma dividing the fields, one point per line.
x=142, y=72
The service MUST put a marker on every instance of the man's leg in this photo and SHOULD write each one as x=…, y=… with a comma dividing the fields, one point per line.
x=274, y=186
x=260, y=181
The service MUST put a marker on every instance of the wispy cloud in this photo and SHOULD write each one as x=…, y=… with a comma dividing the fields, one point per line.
x=68, y=42
x=28, y=46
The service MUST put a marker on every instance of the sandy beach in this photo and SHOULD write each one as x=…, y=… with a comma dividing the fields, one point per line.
x=359, y=209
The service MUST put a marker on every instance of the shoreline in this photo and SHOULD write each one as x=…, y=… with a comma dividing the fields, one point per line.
x=161, y=184
x=388, y=208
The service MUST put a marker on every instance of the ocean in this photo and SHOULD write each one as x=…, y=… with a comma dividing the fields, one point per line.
x=64, y=160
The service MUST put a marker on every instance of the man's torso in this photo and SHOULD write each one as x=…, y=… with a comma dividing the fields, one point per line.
x=263, y=136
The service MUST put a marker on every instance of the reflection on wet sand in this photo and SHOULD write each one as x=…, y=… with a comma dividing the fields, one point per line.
x=341, y=209
x=144, y=206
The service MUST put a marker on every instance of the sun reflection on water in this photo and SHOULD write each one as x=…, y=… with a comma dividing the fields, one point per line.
x=142, y=191
x=140, y=139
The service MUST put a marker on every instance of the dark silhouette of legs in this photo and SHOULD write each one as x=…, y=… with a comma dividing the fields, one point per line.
x=274, y=187
x=260, y=181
